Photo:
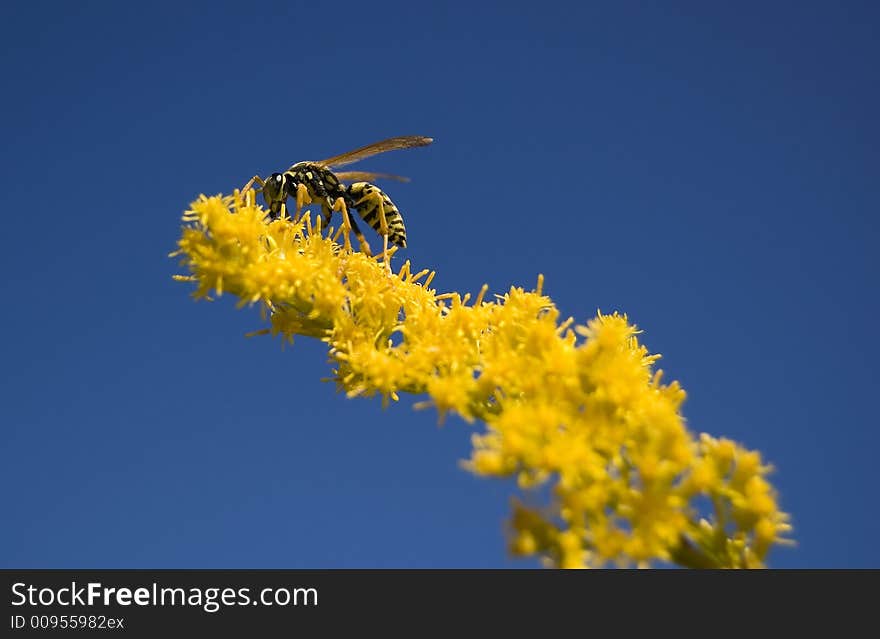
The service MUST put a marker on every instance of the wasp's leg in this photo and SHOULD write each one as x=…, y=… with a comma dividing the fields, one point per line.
x=247, y=187
x=365, y=247
x=349, y=223
x=327, y=208
x=257, y=179
x=302, y=198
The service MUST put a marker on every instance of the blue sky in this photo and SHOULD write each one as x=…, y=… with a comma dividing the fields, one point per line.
x=711, y=169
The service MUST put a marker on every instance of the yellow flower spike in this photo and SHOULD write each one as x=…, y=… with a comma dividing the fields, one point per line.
x=575, y=411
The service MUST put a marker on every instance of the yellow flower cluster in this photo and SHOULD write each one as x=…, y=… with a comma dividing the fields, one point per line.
x=575, y=413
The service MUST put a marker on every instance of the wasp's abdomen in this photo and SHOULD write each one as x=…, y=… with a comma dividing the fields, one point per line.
x=367, y=199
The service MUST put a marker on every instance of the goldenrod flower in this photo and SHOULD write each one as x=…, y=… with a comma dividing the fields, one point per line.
x=578, y=411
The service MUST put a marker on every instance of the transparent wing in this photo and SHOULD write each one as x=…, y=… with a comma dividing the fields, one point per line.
x=366, y=176
x=391, y=144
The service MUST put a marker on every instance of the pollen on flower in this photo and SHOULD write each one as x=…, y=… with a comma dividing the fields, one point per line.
x=575, y=412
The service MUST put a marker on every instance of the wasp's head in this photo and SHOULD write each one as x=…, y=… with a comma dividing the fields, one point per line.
x=275, y=191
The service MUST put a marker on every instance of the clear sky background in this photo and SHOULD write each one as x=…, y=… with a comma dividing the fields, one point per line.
x=710, y=169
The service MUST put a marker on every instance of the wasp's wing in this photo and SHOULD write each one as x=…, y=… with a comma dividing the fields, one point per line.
x=366, y=176
x=403, y=142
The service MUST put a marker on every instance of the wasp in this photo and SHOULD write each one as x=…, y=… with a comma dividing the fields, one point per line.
x=317, y=182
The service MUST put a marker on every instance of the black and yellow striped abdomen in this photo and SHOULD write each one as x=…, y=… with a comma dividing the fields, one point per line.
x=367, y=199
